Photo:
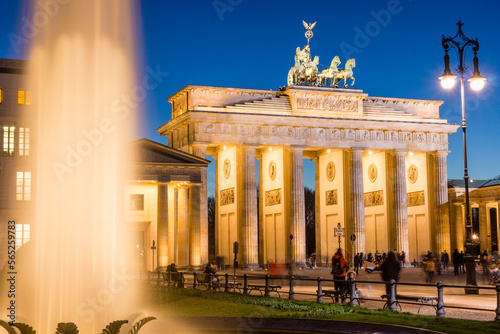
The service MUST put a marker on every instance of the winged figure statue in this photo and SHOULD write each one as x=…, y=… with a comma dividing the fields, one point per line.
x=309, y=26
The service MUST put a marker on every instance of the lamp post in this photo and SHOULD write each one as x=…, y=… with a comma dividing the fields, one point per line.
x=460, y=42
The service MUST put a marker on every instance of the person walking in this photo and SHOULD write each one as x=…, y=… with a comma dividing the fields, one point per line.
x=461, y=257
x=455, y=258
x=339, y=269
x=357, y=263
x=484, y=261
x=390, y=270
x=429, y=267
x=446, y=257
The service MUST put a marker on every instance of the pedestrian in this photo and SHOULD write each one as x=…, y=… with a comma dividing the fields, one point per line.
x=390, y=270
x=455, y=258
x=484, y=261
x=339, y=269
x=462, y=261
x=403, y=256
x=357, y=263
x=361, y=259
x=446, y=260
x=429, y=267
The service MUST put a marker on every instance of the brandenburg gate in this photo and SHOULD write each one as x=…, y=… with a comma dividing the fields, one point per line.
x=380, y=166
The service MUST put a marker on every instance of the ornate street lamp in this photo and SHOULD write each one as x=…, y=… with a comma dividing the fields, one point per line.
x=461, y=42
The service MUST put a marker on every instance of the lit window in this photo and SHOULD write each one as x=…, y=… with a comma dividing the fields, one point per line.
x=8, y=141
x=23, y=97
x=23, y=186
x=22, y=234
x=1, y=95
x=136, y=202
x=24, y=141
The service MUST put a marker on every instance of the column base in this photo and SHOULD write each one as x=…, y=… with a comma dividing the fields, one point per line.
x=253, y=266
x=194, y=268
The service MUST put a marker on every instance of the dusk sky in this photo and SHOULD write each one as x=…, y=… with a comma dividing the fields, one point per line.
x=251, y=44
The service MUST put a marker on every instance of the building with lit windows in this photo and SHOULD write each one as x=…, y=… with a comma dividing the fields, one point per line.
x=15, y=172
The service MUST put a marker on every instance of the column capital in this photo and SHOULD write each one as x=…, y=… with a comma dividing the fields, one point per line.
x=249, y=146
x=357, y=149
x=296, y=148
x=440, y=153
x=199, y=144
x=399, y=152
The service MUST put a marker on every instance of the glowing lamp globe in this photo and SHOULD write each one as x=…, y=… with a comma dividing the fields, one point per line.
x=448, y=81
x=477, y=83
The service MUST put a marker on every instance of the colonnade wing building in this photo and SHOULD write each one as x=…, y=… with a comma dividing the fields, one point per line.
x=380, y=169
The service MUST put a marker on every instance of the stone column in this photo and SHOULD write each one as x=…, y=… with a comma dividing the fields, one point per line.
x=194, y=227
x=162, y=228
x=297, y=206
x=442, y=224
x=400, y=205
x=183, y=226
x=357, y=199
x=173, y=228
x=247, y=206
x=483, y=228
x=261, y=211
x=317, y=211
x=459, y=227
x=200, y=150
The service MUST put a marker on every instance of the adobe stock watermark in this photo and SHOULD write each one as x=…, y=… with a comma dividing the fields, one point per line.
x=364, y=36
x=97, y=304
x=222, y=6
x=120, y=109
x=31, y=26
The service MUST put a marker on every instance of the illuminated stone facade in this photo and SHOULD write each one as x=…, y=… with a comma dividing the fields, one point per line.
x=373, y=156
x=163, y=204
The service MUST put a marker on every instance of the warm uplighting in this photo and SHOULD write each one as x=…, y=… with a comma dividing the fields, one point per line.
x=328, y=151
x=411, y=154
x=370, y=152
x=474, y=236
x=224, y=147
x=270, y=149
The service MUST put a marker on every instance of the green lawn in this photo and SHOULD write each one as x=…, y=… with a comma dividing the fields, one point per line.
x=189, y=302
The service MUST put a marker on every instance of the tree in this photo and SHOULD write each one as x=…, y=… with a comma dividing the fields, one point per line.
x=211, y=225
x=310, y=211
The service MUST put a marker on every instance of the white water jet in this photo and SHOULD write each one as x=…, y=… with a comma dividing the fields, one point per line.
x=82, y=75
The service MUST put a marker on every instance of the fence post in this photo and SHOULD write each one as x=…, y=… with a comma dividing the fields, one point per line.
x=245, y=284
x=291, y=293
x=497, y=311
x=209, y=281
x=354, y=298
x=181, y=280
x=266, y=293
x=159, y=274
x=195, y=282
x=169, y=278
x=440, y=305
x=226, y=282
x=392, y=297
x=319, y=296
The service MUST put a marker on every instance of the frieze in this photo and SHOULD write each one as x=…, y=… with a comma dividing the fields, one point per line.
x=320, y=133
x=290, y=132
x=415, y=198
x=226, y=196
x=350, y=134
x=374, y=198
x=331, y=197
x=208, y=127
x=242, y=129
x=273, y=197
x=225, y=128
x=327, y=104
x=364, y=135
x=306, y=132
x=259, y=130
x=273, y=131
x=379, y=135
x=393, y=136
x=407, y=136
x=420, y=137
x=335, y=134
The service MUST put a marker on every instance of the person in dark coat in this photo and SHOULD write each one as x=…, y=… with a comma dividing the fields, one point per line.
x=455, y=258
x=390, y=270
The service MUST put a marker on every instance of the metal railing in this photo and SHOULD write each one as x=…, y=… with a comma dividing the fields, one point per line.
x=392, y=301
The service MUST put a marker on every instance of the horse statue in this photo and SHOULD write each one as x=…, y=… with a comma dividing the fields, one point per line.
x=326, y=76
x=344, y=74
x=304, y=70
